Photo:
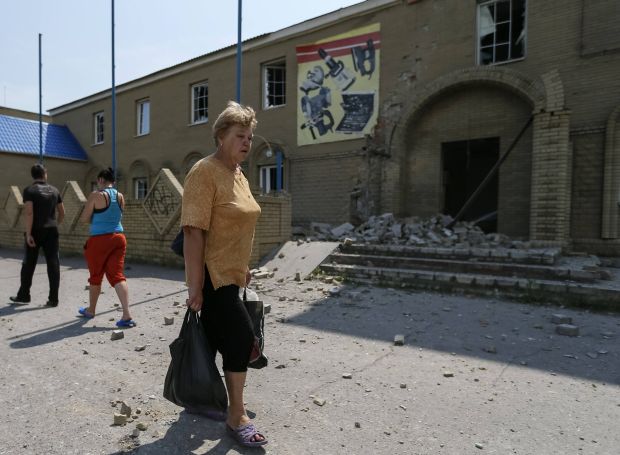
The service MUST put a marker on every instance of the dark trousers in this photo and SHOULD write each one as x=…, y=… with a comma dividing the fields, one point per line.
x=46, y=238
x=227, y=324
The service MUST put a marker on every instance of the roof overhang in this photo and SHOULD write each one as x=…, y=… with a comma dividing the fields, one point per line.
x=302, y=28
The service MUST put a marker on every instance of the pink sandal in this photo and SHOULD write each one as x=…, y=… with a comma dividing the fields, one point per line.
x=243, y=434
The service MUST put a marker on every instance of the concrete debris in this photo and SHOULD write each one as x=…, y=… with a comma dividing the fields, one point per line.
x=142, y=426
x=431, y=232
x=319, y=401
x=335, y=291
x=120, y=419
x=140, y=348
x=135, y=433
x=342, y=230
x=168, y=321
x=125, y=409
x=399, y=340
x=117, y=335
x=567, y=330
x=347, y=376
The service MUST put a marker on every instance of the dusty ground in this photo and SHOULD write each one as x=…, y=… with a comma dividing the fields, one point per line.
x=475, y=376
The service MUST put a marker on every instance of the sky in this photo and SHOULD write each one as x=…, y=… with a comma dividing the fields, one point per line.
x=149, y=35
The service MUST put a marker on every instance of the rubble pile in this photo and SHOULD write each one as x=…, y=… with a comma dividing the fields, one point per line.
x=414, y=231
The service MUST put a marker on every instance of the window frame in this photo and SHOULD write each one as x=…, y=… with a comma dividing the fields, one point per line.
x=275, y=64
x=261, y=179
x=136, y=188
x=141, y=128
x=96, y=123
x=510, y=22
x=194, y=100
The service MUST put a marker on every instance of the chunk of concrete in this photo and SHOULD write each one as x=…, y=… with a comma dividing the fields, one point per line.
x=567, y=330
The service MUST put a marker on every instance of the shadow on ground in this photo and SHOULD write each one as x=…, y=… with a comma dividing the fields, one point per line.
x=188, y=434
x=63, y=330
x=500, y=331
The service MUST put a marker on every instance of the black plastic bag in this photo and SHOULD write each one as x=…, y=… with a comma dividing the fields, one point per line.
x=177, y=243
x=256, y=310
x=193, y=380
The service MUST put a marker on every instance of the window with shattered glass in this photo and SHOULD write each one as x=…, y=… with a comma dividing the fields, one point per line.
x=501, y=31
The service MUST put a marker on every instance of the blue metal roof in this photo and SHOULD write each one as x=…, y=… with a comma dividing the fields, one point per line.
x=18, y=135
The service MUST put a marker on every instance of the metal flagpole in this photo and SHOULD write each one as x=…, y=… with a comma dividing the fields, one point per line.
x=113, y=100
x=40, y=105
x=239, y=53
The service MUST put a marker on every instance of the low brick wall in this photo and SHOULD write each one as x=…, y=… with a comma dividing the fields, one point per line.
x=150, y=225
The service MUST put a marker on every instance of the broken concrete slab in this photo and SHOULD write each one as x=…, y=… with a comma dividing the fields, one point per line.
x=302, y=259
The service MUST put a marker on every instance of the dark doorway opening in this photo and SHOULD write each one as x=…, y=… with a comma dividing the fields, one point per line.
x=465, y=165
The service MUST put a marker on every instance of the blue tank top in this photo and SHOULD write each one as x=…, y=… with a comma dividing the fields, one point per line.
x=107, y=220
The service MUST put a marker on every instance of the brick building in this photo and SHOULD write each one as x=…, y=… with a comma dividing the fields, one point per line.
x=401, y=106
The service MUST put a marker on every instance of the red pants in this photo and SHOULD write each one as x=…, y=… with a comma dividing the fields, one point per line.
x=105, y=254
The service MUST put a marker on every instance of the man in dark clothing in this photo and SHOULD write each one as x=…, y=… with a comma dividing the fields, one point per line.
x=42, y=202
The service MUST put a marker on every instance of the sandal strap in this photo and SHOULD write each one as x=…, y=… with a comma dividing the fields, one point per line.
x=248, y=431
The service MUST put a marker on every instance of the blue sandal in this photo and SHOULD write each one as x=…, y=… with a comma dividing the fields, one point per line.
x=126, y=323
x=85, y=313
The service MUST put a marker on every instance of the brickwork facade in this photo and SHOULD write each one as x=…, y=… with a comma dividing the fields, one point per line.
x=560, y=184
x=150, y=225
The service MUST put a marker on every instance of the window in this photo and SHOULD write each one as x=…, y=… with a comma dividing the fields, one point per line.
x=501, y=31
x=140, y=187
x=143, y=115
x=98, y=127
x=274, y=83
x=269, y=178
x=200, y=98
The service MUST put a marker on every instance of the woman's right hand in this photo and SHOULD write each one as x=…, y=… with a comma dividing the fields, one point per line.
x=194, y=301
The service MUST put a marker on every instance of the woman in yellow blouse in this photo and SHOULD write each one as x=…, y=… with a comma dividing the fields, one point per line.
x=218, y=217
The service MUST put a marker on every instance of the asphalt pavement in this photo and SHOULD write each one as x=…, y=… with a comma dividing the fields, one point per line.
x=474, y=376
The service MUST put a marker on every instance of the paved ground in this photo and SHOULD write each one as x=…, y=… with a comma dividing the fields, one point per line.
x=517, y=387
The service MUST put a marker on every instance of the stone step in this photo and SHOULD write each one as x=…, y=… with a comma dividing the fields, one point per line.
x=529, y=289
x=547, y=256
x=467, y=266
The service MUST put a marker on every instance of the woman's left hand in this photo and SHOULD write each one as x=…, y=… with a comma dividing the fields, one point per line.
x=248, y=277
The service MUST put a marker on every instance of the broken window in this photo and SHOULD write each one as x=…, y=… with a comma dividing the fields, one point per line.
x=501, y=31
x=274, y=83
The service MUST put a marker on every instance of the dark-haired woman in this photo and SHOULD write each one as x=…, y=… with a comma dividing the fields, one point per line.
x=105, y=248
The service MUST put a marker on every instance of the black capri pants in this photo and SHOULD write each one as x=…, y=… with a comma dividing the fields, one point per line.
x=227, y=324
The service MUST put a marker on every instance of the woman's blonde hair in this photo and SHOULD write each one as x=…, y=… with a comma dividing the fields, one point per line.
x=234, y=114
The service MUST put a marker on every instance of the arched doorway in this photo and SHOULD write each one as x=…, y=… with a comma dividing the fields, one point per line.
x=453, y=140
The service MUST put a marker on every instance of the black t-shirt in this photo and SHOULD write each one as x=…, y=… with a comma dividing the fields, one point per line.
x=44, y=200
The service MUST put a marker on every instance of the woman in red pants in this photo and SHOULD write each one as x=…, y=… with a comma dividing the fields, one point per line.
x=106, y=246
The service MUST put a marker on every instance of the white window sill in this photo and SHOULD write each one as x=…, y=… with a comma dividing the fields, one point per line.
x=142, y=135
x=202, y=122
x=269, y=108
x=96, y=144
